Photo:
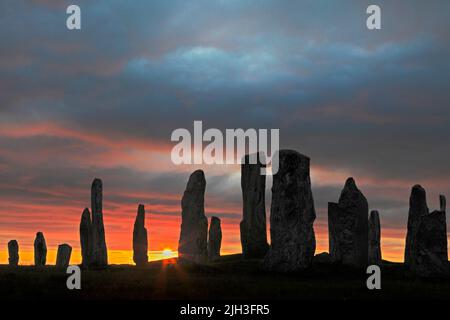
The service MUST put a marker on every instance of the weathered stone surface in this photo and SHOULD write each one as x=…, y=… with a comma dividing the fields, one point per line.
x=348, y=227
x=426, y=252
x=192, y=245
x=40, y=250
x=374, y=238
x=86, y=238
x=13, y=252
x=292, y=215
x=215, y=239
x=63, y=256
x=253, y=226
x=99, y=251
x=140, y=244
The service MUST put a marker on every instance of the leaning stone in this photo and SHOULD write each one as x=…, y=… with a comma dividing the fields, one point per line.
x=192, y=245
x=140, y=244
x=374, y=238
x=253, y=225
x=292, y=215
x=13, y=252
x=348, y=227
x=63, y=256
x=40, y=250
x=215, y=239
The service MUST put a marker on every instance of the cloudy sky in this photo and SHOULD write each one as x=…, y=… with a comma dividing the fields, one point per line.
x=103, y=102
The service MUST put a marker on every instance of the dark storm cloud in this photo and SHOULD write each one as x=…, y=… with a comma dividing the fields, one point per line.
x=368, y=103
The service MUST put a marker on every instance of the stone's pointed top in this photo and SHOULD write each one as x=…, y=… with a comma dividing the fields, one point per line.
x=418, y=201
x=196, y=181
x=86, y=214
x=39, y=234
x=141, y=208
x=442, y=203
x=350, y=184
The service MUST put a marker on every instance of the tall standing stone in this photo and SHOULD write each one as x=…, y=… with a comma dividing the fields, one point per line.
x=99, y=254
x=192, y=245
x=40, y=250
x=426, y=252
x=215, y=239
x=292, y=215
x=63, y=256
x=140, y=244
x=13, y=252
x=374, y=238
x=348, y=227
x=253, y=225
x=417, y=208
x=86, y=238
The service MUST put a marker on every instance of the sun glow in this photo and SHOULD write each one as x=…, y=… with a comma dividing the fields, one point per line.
x=167, y=253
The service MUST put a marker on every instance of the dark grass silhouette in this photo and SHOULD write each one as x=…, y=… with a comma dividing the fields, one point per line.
x=230, y=277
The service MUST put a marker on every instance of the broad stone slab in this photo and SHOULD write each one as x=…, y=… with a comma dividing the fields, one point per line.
x=214, y=239
x=40, y=250
x=292, y=215
x=140, y=242
x=192, y=245
x=63, y=256
x=348, y=227
x=13, y=253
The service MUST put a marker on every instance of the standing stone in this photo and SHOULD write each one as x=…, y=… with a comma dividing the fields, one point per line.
x=426, y=252
x=140, y=245
x=86, y=238
x=63, y=256
x=215, y=239
x=374, y=238
x=292, y=215
x=417, y=208
x=13, y=252
x=348, y=227
x=40, y=250
x=99, y=252
x=253, y=225
x=192, y=245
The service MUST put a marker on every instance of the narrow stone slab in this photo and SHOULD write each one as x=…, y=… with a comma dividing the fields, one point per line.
x=86, y=238
x=374, y=238
x=214, y=239
x=140, y=242
x=40, y=250
x=99, y=251
x=13, y=253
x=253, y=226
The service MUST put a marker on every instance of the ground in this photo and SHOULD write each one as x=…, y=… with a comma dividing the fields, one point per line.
x=230, y=278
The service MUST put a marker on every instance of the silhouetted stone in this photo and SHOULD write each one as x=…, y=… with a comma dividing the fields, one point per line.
x=426, y=252
x=192, y=245
x=63, y=256
x=86, y=238
x=374, y=238
x=322, y=258
x=348, y=227
x=253, y=225
x=292, y=215
x=215, y=239
x=442, y=203
x=417, y=208
x=140, y=245
x=13, y=252
x=40, y=250
x=99, y=251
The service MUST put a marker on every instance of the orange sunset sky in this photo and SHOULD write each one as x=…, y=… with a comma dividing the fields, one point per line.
x=103, y=101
